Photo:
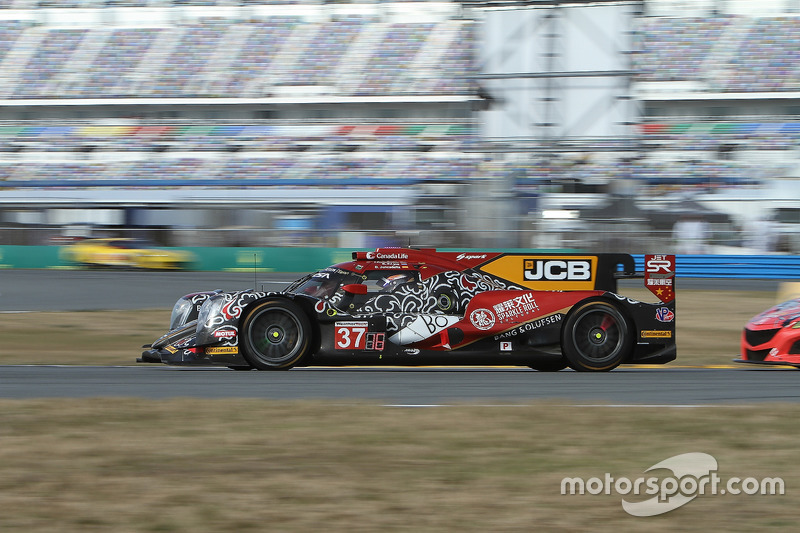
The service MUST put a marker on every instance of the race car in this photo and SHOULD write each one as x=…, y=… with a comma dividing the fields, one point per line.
x=405, y=306
x=126, y=253
x=773, y=337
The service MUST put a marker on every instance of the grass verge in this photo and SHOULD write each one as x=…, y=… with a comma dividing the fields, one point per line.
x=247, y=465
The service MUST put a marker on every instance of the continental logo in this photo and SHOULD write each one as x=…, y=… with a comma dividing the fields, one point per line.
x=656, y=334
x=222, y=350
x=545, y=272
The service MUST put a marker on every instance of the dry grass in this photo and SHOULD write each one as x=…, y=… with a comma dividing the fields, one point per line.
x=709, y=326
x=79, y=338
x=247, y=465
x=709, y=323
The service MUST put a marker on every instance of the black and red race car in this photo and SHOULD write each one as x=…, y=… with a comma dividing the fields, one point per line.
x=773, y=337
x=398, y=306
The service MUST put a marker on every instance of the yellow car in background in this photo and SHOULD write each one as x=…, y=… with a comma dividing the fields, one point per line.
x=126, y=253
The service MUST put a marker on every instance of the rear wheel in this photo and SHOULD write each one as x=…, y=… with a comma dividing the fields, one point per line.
x=596, y=337
x=275, y=335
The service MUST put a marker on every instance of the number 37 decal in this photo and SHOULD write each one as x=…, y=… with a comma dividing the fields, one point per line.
x=354, y=336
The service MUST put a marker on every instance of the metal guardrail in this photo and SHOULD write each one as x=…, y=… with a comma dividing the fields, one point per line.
x=783, y=267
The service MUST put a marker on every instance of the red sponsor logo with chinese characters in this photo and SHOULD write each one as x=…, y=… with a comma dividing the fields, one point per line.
x=659, y=276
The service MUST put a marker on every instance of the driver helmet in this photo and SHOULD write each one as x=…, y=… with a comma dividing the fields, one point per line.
x=394, y=281
x=322, y=290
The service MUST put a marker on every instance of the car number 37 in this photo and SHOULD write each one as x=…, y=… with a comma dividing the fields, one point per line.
x=355, y=336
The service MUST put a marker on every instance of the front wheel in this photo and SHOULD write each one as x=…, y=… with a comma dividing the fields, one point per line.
x=275, y=335
x=596, y=337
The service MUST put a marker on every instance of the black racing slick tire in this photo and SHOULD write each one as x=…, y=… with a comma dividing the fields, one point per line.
x=596, y=337
x=275, y=335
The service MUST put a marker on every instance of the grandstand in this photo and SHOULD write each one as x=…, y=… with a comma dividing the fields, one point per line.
x=366, y=117
x=191, y=101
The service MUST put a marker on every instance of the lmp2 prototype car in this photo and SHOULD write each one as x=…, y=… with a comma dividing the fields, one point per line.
x=398, y=306
x=773, y=337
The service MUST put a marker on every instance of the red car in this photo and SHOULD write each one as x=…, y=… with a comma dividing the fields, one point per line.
x=396, y=306
x=773, y=337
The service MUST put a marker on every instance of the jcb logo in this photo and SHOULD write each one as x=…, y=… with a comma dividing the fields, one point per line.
x=557, y=270
x=545, y=272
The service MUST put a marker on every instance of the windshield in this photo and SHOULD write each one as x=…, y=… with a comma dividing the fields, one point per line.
x=324, y=283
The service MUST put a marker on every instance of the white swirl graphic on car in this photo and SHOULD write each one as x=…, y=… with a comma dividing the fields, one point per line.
x=233, y=309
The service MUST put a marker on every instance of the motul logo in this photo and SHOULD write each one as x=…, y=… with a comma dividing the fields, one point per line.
x=557, y=270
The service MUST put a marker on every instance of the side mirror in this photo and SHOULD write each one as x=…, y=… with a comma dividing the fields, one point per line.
x=355, y=288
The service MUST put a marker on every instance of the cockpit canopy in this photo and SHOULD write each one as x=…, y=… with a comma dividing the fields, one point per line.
x=324, y=283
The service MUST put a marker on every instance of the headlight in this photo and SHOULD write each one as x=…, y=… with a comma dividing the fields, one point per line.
x=180, y=312
x=187, y=308
x=210, y=310
x=210, y=318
